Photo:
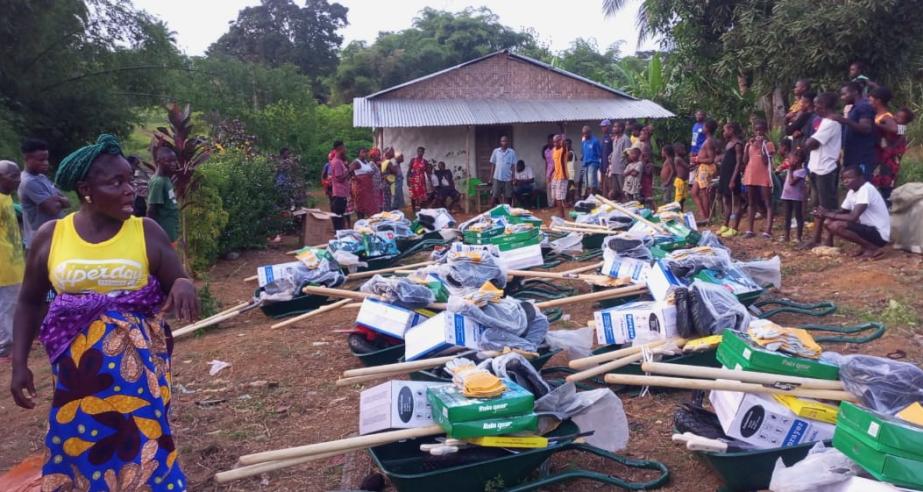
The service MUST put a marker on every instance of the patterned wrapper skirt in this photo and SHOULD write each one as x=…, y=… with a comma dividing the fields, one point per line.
x=108, y=426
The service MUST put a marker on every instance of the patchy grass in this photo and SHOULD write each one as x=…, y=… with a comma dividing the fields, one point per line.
x=899, y=314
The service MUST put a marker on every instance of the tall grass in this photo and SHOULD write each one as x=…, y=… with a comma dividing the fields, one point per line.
x=911, y=166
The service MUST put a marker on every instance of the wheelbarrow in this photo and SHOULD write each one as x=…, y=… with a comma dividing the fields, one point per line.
x=297, y=305
x=744, y=471
x=473, y=469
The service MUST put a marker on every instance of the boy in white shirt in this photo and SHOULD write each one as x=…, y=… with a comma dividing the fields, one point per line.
x=863, y=218
x=824, y=146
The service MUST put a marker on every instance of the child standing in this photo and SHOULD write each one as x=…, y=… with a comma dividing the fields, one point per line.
x=681, y=181
x=794, y=192
x=668, y=173
x=633, y=172
x=647, y=179
x=757, y=165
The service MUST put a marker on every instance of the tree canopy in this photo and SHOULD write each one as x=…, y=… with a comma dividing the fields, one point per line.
x=279, y=32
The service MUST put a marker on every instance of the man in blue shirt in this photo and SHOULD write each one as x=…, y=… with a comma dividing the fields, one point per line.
x=858, y=130
x=41, y=201
x=504, y=160
x=698, y=133
x=592, y=156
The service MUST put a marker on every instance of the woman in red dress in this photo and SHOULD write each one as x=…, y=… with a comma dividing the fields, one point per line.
x=416, y=179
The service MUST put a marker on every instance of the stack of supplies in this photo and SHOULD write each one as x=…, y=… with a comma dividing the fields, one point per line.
x=889, y=448
x=738, y=351
x=515, y=232
x=463, y=417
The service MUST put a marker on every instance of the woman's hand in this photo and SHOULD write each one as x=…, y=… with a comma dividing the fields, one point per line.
x=22, y=387
x=183, y=300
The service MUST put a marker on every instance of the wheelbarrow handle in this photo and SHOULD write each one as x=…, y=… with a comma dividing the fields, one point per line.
x=597, y=476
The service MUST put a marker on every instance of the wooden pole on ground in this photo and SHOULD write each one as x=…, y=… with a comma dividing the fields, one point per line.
x=584, y=268
x=711, y=384
x=594, y=296
x=341, y=445
x=743, y=376
x=595, y=360
x=657, y=227
x=211, y=320
x=311, y=314
x=353, y=294
x=369, y=273
x=260, y=468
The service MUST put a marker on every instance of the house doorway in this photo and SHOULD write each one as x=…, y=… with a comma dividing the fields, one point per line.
x=486, y=139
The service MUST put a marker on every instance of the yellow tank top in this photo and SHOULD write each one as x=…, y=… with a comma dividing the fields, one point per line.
x=117, y=264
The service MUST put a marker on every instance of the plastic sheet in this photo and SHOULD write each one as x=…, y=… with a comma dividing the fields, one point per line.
x=571, y=243
x=400, y=290
x=327, y=274
x=628, y=246
x=468, y=267
x=514, y=366
x=348, y=260
x=714, y=310
x=508, y=323
x=364, y=245
x=434, y=219
x=883, y=385
x=576, y=343
x=598, y=410
x=711, y=240
x=822, y=466
x=763, y=272
x=687, y=262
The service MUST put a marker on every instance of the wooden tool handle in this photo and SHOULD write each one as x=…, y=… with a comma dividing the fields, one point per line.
x=604, y=368
x=711, y=384
x=594, y=296
x=585, y=268
x=260, y=468
x=404, y=366
x=353, y=294
x=743, y=376
x=656, y=227
x=372, y=273
x=311, y=314
x=211, y=322
x=594, y=360
x=341, y=445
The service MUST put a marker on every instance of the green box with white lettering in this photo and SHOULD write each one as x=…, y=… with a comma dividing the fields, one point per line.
x=880, y=432
x=736, y=352
x=451, y=406
x=881, y=464
x=490, y=427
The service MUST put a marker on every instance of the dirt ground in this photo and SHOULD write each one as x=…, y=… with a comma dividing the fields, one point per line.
x=279, y=389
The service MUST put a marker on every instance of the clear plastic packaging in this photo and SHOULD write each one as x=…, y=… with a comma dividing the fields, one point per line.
x=714, y=309
x=763, y=272
x=434, y=219
x=628, y=246
x=711, y=240
x=571, y=243
x=514, y=366
x=400, y=290
x=599, y=411
x=576, y=343
x=822, y=466
x=467, y=268
x=507, y=323
x=883, y=385
x=687, y=262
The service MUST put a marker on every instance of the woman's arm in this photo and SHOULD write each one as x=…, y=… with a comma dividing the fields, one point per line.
x=166, y=267
x=28, y=316
x=888, y=124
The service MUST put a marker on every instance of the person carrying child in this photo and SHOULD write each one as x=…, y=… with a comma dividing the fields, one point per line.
x=757, y=167
x=794, y=192
x=892, y=145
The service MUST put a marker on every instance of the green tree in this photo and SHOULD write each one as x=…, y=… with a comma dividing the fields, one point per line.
x=437, y=39
x=279, y=32
x=71, y=69
x=584, y=58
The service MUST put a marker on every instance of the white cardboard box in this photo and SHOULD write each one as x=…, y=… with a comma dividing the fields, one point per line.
x=631, y=268
x=387, y=319
x=395, y=405
x=763, y=422
x=439, y=333
x=522, y=258
x=268, y=274
x=661, y=279
x=622, y=324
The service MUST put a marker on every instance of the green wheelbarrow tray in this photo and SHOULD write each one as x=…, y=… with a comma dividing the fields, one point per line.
x=411, y=470
x=297, y=305
x=432, y=375
x=387, y=355
x=752, y=470
x=594, y=241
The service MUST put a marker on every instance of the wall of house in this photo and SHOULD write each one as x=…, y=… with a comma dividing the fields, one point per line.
x=450, y=144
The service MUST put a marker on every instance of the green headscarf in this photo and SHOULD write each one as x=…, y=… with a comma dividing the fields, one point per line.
x=75, y=166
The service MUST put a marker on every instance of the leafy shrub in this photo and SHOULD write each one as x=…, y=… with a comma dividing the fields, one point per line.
x=333, y=123
x=246, y=186
x=208, y=305
x=205, y=219
x=911, y=166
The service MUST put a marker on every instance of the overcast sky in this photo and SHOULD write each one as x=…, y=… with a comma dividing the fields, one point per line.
x=198, y=23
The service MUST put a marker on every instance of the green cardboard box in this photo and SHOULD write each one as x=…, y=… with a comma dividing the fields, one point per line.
x=885, y=434
x=489, y=427
x=901, y=471
x=736, y=352
x=453, y=407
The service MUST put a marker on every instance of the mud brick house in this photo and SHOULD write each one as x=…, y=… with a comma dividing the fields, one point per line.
x=460, y=113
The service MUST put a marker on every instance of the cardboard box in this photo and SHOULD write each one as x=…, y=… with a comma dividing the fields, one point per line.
x=859, y=484
x=809, y=409
x=268, y=274
x=522, y=258
x=451, y=405
x=761, y=421
x=899, y=470
x=736, y=352
x=395, y=405
x=618, y=267
x=624, y=323
x=387, y=319
x=882, y=433
x=660, y=280
x=439, y=333
x=492, y=427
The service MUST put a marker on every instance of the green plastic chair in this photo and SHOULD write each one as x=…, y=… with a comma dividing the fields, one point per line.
x=472, y=190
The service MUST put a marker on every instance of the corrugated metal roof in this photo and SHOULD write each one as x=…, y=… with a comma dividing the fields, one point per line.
x=513, y=55
x=395, y=113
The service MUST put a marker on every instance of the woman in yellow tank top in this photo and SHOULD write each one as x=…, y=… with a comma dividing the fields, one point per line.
x=109, y=347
